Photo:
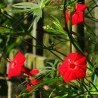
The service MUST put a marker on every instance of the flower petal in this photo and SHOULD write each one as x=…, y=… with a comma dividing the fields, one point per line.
x=15, y=67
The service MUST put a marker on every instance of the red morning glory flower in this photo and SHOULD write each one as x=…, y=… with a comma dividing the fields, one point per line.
x=35, y=82
x=73, y=67
x=78, y=15
x=15, y=67
x=34, y=71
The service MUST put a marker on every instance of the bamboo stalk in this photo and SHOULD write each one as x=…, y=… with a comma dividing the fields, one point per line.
x=9, y=89
x=74, y=29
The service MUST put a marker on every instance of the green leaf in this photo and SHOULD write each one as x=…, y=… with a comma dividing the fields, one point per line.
x=15, y=11
x=1, y=6
x=25, y=5
x=56, y=27
x=4, y=30
x=43, y=3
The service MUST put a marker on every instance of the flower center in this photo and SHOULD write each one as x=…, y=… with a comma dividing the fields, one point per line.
x=72, y=65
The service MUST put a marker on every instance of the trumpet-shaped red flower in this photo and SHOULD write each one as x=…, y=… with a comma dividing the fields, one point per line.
x=73, y=67
x=78, y=15
x=15, y=67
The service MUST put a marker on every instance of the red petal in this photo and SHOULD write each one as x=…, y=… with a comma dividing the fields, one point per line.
x=81, y=61
x=34, y=71
x=71, y=56
x=20, y=58
x=78, y=56
x=35, y=81
x=80, y=7
x=69, y=76
x=15, y=67
x=80, y=73
x=77, y=18
x=67, y=17
x=16, y=71
x=62, y=68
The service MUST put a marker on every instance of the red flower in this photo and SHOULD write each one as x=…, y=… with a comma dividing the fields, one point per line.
x=78, y=15
x=35, y=82
x=32, y=83
x=73, y=67
x=34, y=71
x=29, y=88
x=15, y=67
